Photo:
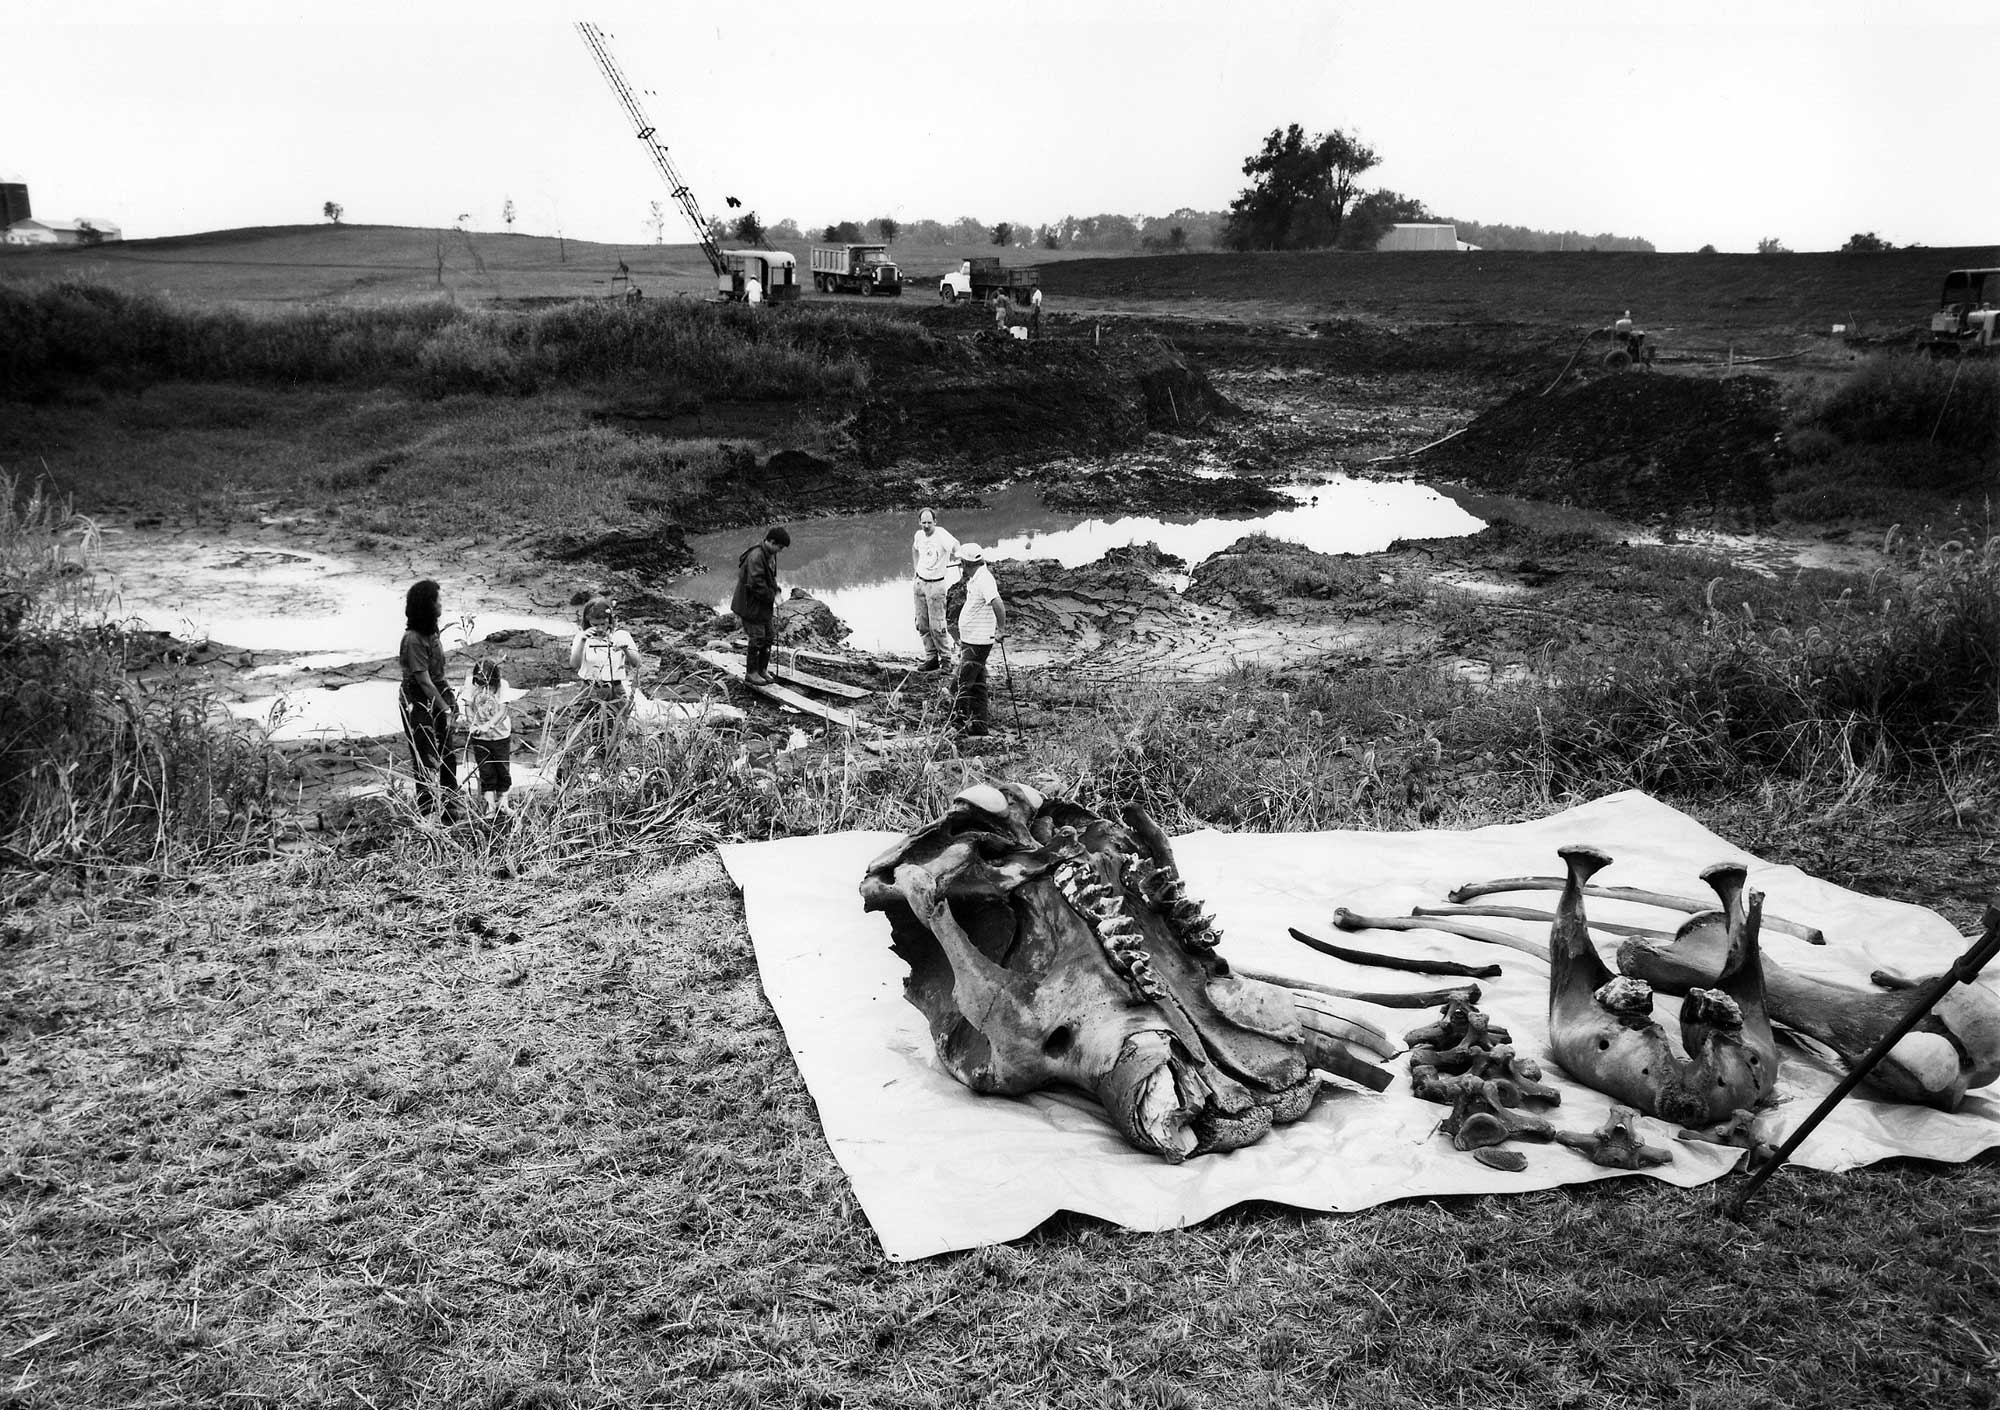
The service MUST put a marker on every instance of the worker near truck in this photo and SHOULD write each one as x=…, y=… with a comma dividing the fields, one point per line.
x=933, y=559
x=1035, y=313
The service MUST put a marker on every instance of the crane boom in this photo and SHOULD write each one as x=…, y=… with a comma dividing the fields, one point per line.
x=643, y=126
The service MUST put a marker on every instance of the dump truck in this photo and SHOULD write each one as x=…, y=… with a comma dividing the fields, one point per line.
x=1966, y=313
x=978, y=278
x=855, y=269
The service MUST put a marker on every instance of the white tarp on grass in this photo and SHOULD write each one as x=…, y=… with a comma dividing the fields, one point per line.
x=938, y=1168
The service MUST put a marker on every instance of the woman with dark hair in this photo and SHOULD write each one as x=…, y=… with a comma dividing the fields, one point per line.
x=429, y=707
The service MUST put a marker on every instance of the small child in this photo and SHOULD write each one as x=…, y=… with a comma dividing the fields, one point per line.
x=491, y=729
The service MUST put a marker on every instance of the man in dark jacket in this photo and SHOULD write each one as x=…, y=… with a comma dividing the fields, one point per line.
x=756, y=601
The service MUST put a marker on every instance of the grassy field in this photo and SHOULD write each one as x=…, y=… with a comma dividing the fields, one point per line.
x=1711, y=296
x=1723, y=294
x=466, y=1119
x=381, y=264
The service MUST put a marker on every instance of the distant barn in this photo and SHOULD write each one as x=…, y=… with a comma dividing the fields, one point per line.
x=81, y=231
x=1423, y=237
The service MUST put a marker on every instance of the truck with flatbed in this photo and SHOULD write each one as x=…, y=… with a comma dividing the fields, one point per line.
x=979, y=277
x=855, y=269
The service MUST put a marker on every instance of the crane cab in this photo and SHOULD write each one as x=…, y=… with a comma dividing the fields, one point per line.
x=772, y=274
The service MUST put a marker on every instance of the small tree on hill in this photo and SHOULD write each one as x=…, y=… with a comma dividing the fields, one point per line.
x=1706, y=250
x=889, y=227
x=507, y=212
x=748, y=228
x=1770, y=245
x=844, y=232
x=1003, y=233
x=333, y=211
x=1868, y=244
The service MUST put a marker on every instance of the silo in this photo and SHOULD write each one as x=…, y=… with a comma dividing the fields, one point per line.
x=13, y=201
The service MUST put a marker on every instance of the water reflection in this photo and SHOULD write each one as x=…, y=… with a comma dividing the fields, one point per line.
x=262, y=598
x=860, y=566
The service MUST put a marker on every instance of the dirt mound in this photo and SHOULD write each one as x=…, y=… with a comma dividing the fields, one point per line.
x=803, y=620
x=1646, y=446
x=1257, y=573
x=981, y=398
x=658, y=550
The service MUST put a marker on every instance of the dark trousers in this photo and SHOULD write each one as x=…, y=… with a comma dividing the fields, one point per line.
x=968, y=706
x=758, y=635
x=433, y=760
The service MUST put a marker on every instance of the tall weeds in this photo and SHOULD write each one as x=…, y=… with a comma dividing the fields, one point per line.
x=98, y=766
x=1901, y=680
x=72, y=332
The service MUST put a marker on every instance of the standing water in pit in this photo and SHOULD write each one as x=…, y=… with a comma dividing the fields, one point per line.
x=860, y=566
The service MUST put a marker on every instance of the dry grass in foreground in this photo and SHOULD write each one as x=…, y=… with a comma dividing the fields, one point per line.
x=401, y=1131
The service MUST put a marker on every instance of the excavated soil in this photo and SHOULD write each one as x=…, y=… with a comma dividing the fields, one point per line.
x=1646, y=446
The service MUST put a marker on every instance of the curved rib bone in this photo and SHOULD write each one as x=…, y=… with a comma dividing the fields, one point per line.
x=1408, y=964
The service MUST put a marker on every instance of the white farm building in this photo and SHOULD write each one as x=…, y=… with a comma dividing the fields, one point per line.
x=1423, y=237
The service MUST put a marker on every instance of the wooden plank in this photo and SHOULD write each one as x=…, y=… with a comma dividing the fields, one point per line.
x=820, y=683
x=792, y=673
x=733, y=668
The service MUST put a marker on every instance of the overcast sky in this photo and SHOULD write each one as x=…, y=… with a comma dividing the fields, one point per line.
x=1699, y=121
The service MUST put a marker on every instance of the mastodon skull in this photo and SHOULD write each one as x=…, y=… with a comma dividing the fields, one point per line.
x=1050, y=946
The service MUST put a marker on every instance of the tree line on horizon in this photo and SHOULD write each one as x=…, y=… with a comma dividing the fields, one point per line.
x=1182, y=231
x=1304, y=194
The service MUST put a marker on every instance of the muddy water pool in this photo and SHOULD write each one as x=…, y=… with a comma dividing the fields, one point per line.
x=302, y=615
x=860, y=566
x=317, y=625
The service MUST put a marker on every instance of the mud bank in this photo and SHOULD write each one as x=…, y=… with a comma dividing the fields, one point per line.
x=1647, y=446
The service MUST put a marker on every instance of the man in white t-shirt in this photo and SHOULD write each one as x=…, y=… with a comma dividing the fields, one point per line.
x=982, y=620
x=932, y=554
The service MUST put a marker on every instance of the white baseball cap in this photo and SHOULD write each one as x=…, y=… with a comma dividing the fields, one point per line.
x=971, y=553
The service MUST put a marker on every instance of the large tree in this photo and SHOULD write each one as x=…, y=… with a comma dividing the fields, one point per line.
x=1299, y=190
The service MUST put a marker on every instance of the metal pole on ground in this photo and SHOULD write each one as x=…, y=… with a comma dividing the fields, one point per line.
x=1007, y=668
x=1963, y=971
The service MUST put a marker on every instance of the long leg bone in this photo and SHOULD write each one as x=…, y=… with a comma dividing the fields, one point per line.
x=1388, y=999
x=1531, y=913
x=1471, y=891
x=1348, y=920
